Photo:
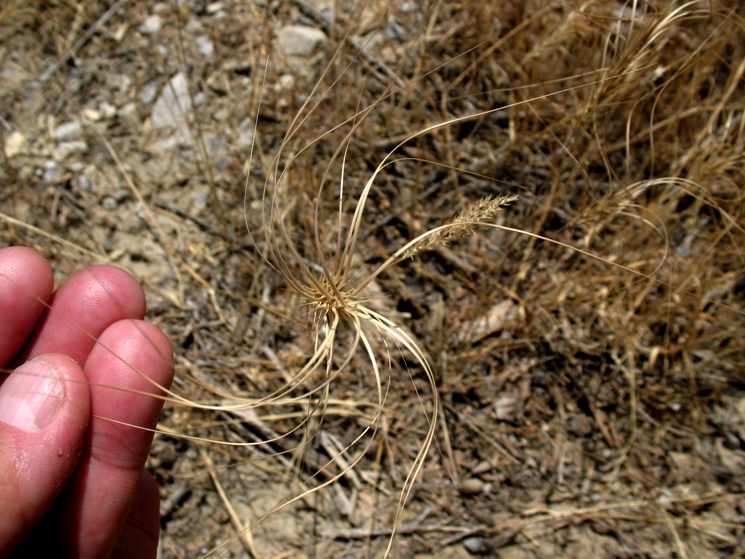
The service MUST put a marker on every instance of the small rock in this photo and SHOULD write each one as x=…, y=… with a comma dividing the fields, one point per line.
x=16, y=144
x=92, y=115
x=506, y=406
x=120, y=32
x=220, y=114
x=122, y=195
x=579, y=425
x=149, y=93
x=205, y=46
x=499, y=317
x=285, y=82
x=194, y=26
x=481, y=468
x=129, y=110
x=68, y=131
x=477, y=546
x=107, y=110
x=152, y=25
x=472, y=486
x=300, y=40
x=539, y=378
x=108, y=203
x=731, y=442
x=66, y=149
x=224, y=163
x=241, y=66
x=171, y=109
x=83, y=182
x=120, y=82
x=214, y=7
x=246, y=133
x=51, y=172
x=216, y=145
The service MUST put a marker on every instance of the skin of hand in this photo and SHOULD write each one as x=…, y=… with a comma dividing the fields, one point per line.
x=76, y=368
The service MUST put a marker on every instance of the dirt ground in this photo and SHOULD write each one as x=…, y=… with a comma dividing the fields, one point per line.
x=590, y=407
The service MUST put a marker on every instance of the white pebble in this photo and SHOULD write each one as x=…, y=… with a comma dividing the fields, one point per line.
x=300, y=40
x=171, y=109
x=68, y=130
x=286, y=82
x=149, y=93
x=108, y=203
x=83, y=183
x=246, y=133
x=92, y=115
x=107, y=109
x=66, y=149
x=205, y=45
x=152, y=25
x=15, y=144
x=50, y=173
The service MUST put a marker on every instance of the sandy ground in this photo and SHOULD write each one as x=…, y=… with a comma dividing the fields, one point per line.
x=586, y=411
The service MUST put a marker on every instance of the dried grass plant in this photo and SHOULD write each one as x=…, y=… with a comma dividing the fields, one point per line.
x=620, y=127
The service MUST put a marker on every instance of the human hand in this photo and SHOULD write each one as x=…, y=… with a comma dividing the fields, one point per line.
x=72, y=482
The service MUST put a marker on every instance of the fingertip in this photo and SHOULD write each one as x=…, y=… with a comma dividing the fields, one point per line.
x=133, y=346
x=130, y=370
x=47, y=394
x=27, y=256
x=83, y=307
x=26, y=284
x=114, y=287
x=44, y=412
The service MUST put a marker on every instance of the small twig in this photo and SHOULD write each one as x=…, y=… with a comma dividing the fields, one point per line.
x=175, y=495
x=414, y=527
x=679, y=547
x=206, y=225
x=335, y=449
x=245, y=534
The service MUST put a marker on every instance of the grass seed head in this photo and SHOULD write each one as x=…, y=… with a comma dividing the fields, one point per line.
x=462, y=225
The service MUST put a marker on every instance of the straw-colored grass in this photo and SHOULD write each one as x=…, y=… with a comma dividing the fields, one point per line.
x=369, y=353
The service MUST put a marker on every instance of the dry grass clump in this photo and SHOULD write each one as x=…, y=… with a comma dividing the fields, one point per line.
x=568, y=373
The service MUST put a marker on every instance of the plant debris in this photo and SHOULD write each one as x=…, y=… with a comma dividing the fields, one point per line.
x=587, y=341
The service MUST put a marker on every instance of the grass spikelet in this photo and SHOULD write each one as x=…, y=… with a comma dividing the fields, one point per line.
x=461, y=226
x=576, y=364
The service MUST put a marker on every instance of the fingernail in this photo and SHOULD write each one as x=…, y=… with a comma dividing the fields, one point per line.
x=31, y=396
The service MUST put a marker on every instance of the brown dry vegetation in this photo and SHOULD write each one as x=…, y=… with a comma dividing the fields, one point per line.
x=592, y=401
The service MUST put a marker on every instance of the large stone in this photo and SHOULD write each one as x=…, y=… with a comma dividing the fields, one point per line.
x=171, y=112
x=68, y=130
x=15, y=144
x=205, y=45
x=151, y=25
x=300, y=40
